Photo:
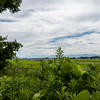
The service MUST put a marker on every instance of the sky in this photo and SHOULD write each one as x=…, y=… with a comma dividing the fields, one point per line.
x=44, y=25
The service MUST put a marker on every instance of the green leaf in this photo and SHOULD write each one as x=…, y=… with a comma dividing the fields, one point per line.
x=63, y=89
x=59, y=95
x=36, y=96
x=98, y=77
x=66, y=68
x=93, y=73
x=96, y=96
x=30, y=72
x=83, y=95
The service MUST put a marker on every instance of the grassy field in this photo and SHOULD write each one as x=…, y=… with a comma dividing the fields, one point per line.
x=85, y=62
x=29, y=63
x=36, y=64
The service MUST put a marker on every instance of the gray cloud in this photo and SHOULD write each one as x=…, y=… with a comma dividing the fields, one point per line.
x=89, y=17
x=7, y=20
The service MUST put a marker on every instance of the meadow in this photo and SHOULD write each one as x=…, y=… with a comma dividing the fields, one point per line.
x=29, y=63
x=36, y=64
x=85, y=62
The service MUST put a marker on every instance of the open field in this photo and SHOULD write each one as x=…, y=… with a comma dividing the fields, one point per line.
x=36, y=64
x=29, y=63
x=85, y=62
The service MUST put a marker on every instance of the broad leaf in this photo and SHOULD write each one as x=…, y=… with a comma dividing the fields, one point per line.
x=83, y=95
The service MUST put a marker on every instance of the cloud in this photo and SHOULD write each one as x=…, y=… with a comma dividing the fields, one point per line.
x=7, y=20
x=44, y=25
x=72, y=36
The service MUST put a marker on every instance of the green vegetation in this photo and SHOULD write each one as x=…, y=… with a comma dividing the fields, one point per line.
x=87, y=60
x=7, y=51
x=59, y=53
x=58, y=79
x=29, y=63
x=11, y=5
x=34, y=63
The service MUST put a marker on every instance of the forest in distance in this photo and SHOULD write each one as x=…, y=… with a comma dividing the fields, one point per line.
x=92, y=57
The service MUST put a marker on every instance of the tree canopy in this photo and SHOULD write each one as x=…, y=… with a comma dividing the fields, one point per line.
x=7, y=51
x=11, y=5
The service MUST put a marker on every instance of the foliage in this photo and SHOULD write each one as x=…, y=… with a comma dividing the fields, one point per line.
x=12, y=5
x=59, y=53
x=70, y=82
x=7, y=51
x=84, y=95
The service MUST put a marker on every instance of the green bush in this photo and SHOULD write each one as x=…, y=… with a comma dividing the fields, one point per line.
x=65, y=81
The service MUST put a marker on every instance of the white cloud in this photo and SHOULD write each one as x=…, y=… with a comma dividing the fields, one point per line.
x=41, y=21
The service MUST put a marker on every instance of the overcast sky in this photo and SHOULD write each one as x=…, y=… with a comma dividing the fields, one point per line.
x=44, y=25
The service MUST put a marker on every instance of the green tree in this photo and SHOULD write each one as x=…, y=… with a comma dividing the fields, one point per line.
x=11, y=5
x=59, y=53
x=7, y=51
